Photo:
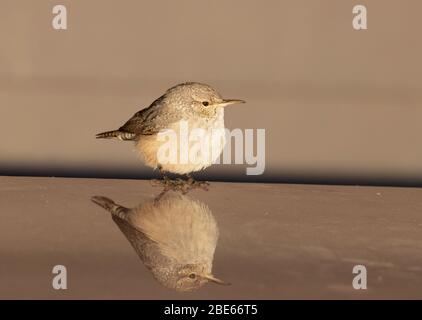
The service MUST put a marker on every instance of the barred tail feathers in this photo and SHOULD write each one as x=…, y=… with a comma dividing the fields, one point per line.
x=116, y=134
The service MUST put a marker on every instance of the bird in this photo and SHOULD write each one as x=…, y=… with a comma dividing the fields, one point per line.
x=196, y=104
x=174, y=236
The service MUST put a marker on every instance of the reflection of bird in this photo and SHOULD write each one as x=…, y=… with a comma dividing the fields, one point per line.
x=199, y=105
x=173, y=235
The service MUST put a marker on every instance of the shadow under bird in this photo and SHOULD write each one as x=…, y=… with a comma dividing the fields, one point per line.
x=197, y=104
x=174, y=236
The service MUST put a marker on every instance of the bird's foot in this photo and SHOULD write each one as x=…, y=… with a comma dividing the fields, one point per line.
x=172, y=184
x=181, y=185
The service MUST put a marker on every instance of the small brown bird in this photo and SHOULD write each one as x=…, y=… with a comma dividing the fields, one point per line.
x=196, y=105
x=174, y=236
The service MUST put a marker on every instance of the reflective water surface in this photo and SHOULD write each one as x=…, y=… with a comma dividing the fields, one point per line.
x=275, y=241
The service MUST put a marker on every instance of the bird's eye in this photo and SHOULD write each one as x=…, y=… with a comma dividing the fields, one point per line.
x=205, y=103
x=192, y=276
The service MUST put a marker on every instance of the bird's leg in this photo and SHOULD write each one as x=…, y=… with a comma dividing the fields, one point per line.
x=162, y=193
x=169, y=184
x=164, y=181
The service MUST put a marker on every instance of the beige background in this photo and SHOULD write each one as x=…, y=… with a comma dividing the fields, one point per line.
x=336, y=103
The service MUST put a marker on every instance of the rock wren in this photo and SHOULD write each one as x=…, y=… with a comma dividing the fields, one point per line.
x=198, y=105
x=174, y=236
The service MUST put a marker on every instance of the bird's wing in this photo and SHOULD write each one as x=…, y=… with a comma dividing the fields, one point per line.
x=150, y=120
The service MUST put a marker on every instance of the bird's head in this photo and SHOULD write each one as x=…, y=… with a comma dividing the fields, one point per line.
x=199, y=98
x=193, y=276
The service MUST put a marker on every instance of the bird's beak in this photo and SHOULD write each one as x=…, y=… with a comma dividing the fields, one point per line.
x=211, y=278
x=227, y=102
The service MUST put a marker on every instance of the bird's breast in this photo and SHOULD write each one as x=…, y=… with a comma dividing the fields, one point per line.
x=185, y=146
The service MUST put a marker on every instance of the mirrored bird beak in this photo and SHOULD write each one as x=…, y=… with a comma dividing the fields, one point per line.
x=211, y=278
x=227, y=102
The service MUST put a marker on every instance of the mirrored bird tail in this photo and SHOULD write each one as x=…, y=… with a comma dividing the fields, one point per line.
x=111, y=206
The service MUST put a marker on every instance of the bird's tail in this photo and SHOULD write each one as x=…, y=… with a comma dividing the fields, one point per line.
x=116, y=134
x=111, y=206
